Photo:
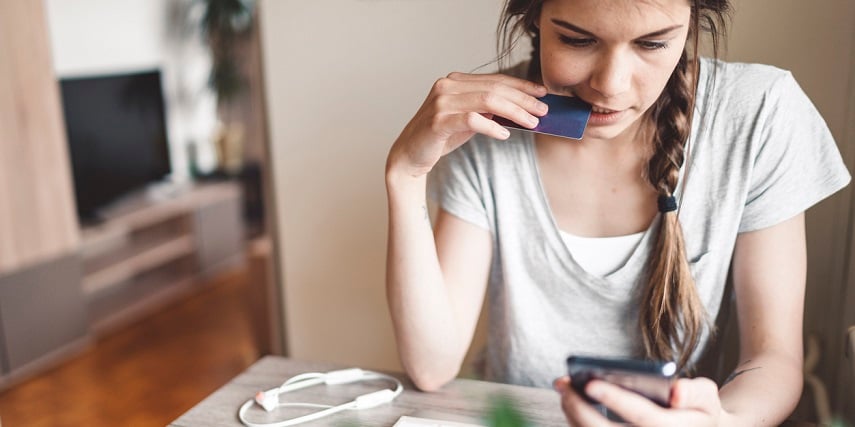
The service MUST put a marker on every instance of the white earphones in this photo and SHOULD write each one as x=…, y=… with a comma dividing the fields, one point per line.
x=269, y=400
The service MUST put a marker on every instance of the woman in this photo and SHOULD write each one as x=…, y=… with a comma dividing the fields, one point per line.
x=579, y=245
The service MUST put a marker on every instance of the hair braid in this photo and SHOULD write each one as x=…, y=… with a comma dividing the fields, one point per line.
x=671, y=314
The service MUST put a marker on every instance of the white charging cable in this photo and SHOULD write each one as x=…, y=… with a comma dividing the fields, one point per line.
x=269, y=400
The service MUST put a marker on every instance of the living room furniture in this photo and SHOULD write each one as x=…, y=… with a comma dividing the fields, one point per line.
x=151, y=250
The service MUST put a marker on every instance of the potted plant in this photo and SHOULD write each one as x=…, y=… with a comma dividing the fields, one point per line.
x=225, y=24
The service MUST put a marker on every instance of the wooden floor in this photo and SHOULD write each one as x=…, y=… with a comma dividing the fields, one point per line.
x=149, y=373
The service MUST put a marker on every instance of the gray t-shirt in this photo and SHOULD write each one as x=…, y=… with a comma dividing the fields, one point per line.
x=761, y=154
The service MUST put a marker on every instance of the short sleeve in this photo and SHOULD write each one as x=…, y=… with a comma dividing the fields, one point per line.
x=456, y=184
x=796, y=162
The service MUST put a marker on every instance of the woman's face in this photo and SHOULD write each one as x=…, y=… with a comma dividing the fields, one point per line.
x=615, y=54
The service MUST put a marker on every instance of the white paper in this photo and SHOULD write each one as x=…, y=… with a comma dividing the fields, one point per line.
x=427, y=422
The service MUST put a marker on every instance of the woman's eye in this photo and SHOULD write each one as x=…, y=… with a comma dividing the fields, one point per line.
x=576, y=42
x=651, y=45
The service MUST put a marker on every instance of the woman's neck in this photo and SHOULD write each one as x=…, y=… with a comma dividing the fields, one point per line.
x=631, y=148
x=597, y=187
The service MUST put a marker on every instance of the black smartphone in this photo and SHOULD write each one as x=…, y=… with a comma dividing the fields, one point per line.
x=651, y=379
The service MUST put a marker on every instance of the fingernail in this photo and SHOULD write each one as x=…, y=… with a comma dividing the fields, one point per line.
x=533, y=121
x=541, y=106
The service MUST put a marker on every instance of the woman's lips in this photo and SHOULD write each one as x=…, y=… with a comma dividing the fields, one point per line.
x=604, y=116
x=601, y=110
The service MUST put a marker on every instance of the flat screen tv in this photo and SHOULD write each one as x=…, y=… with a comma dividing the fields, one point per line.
x=116, y=129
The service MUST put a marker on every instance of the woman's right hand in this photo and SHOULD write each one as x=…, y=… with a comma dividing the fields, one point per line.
x=457, y=107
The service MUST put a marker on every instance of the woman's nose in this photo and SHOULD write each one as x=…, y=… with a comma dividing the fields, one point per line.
x=611, y=76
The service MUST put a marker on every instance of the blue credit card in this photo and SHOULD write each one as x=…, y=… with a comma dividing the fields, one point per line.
x=567, y=117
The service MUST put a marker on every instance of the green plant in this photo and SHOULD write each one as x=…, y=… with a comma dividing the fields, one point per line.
x=503, y=412
x=225, y=22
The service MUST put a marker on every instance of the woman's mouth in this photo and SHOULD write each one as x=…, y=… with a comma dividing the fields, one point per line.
x=604, y=116
x=600, y=110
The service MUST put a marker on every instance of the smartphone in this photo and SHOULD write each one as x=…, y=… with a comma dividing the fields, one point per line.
x=651, y=379
x=567, y=117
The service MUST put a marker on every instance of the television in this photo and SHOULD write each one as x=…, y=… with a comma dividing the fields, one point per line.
x=116, y=129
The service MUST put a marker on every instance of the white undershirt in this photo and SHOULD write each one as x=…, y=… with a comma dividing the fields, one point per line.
x=601, y=256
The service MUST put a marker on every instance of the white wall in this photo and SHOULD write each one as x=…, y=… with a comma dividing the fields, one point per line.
x=343, y=77
x=91, y=37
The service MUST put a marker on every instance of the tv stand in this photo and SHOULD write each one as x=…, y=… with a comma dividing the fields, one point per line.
x=149, y=251
x=166, y=189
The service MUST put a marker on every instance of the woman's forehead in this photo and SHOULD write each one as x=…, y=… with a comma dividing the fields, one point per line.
x=620, y=8
x=620, y=18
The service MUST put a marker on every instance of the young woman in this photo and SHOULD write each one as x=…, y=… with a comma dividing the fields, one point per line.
x=619, y=244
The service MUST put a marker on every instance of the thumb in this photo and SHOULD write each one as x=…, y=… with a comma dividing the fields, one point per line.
x=561, y=384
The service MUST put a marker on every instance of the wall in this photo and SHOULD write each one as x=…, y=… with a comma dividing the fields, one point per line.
x=342, y=79
x=91, y=37
x=816, y=41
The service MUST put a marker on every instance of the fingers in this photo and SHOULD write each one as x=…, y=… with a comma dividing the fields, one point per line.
x=694, y=402
x=470, y=122
x=529, y=87
x=511, y=98
x=560, y=384
x=632, y=407
x=577, y=410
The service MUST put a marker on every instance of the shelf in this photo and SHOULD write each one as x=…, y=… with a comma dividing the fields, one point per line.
x=142, y=209
x=151, y=250
x=99, y=240
x=141, y=261
x=119, y=305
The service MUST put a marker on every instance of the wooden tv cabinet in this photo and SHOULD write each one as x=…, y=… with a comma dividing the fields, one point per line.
x=150, y=251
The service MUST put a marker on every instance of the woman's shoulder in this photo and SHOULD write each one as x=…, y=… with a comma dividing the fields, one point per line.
x=743, y=80
x=746, y=91
x=485, y=161
x=486, y=154
x=728, y=68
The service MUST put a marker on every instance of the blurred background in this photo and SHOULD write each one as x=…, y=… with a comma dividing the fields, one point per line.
x=188, y=185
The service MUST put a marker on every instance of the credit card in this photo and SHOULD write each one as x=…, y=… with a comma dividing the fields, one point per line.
x=567, y=117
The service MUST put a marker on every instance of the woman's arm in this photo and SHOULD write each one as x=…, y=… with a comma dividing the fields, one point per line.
x=769, y=268
x=435, y=285
x=434, y=309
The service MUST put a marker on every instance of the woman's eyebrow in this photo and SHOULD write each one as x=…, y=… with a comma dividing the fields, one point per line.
x=580, y=30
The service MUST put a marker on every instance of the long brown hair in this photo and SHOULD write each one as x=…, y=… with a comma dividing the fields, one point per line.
x=671, y=314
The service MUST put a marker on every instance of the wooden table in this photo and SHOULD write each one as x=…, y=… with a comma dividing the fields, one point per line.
x=461, y=400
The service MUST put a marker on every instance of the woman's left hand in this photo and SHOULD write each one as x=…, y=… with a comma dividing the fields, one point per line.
x=694, y=402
